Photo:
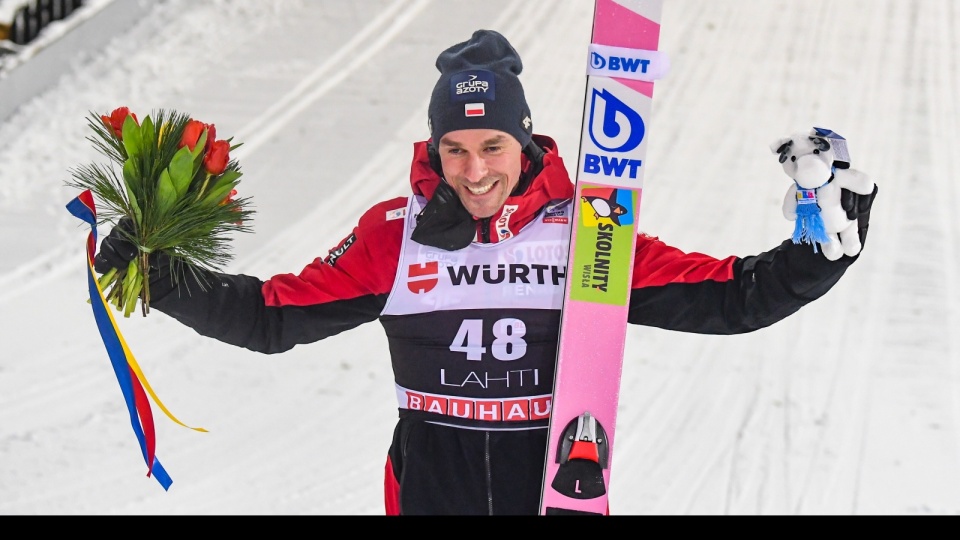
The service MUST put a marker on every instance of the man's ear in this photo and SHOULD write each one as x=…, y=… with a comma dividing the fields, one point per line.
x=534, y=155
x=434, y=155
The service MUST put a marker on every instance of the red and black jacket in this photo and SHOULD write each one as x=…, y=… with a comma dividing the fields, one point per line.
x=671, y=289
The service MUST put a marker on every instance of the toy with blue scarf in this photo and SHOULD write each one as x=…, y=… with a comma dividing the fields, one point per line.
x=818, y=162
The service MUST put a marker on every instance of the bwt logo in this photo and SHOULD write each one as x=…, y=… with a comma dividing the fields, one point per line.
x=615, y=128
x=619, y=63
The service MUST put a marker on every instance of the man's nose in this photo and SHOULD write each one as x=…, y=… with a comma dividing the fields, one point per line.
x=475, y=168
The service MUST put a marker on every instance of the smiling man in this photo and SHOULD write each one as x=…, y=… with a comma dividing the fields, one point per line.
x=482, y=166
x=466, y=276
x=480, y=145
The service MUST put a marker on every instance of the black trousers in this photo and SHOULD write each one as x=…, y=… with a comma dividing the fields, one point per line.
x=442, y=470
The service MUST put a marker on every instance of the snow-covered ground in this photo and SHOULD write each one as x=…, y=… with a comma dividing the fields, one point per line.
x=8, y=8
x=848, y=407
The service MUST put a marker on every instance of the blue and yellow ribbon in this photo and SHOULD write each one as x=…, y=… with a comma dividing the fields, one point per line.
x=132, y=381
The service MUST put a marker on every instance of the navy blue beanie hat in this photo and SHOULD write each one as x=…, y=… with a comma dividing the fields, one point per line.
x=479, y=88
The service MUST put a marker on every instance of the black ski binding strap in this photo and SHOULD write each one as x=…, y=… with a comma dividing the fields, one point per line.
x=583, y=454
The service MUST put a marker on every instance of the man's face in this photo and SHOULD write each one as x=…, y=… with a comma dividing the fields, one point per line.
x=483, y=166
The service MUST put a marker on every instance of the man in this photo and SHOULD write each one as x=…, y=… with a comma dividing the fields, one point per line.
x=466, y=276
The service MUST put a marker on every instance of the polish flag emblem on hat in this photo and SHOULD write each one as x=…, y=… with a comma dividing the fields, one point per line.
x=474, y=109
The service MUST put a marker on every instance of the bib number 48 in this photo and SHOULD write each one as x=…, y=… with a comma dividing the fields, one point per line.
x=508, y=343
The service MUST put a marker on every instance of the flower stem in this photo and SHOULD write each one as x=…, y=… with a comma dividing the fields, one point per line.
x=131, y=288
x=107, y=278
x=203, y=187
x=145, y=282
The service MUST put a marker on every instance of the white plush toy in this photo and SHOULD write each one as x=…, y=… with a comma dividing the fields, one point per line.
x=819, y=164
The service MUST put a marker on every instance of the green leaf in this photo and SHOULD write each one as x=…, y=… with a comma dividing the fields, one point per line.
x=229, y=176
x=166, y=193
x=218, y=194
x=181, y=170
x=201, y=145
x=131, y=183
x=148, y=136
x=222, y=188
x=198, y=153
x=135, y=207
x=132, y=140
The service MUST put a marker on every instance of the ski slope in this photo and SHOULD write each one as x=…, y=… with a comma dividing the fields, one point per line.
x=849, y=407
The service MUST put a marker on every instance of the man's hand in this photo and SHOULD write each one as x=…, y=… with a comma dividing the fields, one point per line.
x=858, y=208
x=116, y=249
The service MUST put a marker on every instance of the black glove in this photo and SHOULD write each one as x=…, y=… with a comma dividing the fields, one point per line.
x=858, y=208
x=116, y=249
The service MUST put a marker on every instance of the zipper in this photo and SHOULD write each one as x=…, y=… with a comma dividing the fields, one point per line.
x=486, y=463
x=484, y=225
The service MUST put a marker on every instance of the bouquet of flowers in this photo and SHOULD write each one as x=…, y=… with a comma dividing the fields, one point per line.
x=176, y=191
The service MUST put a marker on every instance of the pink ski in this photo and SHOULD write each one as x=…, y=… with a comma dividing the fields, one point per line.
x=623, y=63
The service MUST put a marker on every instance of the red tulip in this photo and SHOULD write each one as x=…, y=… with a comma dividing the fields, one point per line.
x=229, y=198
x=116, y=119
x=192, y=133
x=211, y=136
x=217, y=157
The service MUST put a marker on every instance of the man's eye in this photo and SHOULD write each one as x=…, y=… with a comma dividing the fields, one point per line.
x=493, y=149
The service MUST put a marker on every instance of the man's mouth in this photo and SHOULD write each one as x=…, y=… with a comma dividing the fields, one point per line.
x=480, y=190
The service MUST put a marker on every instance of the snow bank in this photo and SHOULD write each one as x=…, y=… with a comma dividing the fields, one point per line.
x=36, y=66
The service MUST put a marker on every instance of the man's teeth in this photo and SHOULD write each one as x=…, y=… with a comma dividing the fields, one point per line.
x=480, y=190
